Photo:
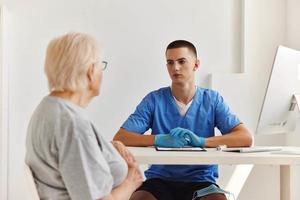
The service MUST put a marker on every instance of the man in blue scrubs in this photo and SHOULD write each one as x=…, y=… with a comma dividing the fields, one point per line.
x=180, y=115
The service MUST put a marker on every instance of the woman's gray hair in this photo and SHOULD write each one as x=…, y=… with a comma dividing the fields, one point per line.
x=68, y=58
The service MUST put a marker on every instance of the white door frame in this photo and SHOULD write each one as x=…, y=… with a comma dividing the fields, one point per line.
x=3, y=114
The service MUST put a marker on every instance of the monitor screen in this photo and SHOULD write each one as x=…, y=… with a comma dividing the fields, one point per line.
x=277, y=115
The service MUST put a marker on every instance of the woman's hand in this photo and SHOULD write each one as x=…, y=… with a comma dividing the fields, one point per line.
x=125, y=153
x=134, y=177
x=133, y=180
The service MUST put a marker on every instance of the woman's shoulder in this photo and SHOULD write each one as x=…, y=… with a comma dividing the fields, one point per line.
x=60, y=114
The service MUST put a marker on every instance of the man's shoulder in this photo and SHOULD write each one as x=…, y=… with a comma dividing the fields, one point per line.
x=166, y=91
x=208, y=93
x=159, y=92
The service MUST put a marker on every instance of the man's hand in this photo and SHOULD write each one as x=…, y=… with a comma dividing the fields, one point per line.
x=167, y=140
x=189, y=136
x=125, y=153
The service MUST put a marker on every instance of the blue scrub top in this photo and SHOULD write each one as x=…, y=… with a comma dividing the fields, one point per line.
x=158, y=111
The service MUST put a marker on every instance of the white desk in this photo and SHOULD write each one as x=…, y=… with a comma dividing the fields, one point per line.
x=148, y=155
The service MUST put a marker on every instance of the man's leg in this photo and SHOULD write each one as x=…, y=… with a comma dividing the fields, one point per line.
x=142, y=195
x=153, y=189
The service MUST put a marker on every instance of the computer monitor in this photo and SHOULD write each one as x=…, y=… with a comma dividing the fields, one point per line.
x=280, y=113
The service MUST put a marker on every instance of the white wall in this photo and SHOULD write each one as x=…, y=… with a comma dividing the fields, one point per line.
x=264, y=30
x=293, y=41
x=134, y=35
x=293, y=23
x=267, y=24
x=3, y=113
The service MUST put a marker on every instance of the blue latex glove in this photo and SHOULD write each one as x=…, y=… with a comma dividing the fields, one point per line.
x=189, y=136
x=167, y=140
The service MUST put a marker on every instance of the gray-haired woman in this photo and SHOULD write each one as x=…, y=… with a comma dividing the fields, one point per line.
x=68, y=157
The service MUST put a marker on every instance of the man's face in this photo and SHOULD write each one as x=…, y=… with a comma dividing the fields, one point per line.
x=182, y=64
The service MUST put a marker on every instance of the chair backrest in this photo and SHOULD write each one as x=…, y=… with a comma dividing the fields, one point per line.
x=31, y=183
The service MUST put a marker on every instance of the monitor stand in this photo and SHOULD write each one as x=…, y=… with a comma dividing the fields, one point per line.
x=295, y=102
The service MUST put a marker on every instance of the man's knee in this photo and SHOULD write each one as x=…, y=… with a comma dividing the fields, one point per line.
x=214, y=196
x=142, y=195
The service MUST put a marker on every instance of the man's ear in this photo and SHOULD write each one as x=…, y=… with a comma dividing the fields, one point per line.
x=197, y=64
x=90, y=74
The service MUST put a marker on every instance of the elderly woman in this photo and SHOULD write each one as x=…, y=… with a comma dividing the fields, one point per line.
x=68, y=157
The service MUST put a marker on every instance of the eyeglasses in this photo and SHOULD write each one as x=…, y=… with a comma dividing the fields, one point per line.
x=104, y=65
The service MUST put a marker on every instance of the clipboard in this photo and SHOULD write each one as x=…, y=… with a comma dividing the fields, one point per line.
x=183, y=149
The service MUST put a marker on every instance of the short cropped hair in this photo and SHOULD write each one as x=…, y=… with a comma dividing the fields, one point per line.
x=68, y=58
x=182, y=43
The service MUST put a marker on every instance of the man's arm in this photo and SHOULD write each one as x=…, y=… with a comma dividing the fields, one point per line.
x=134, y=139
x=239, y=136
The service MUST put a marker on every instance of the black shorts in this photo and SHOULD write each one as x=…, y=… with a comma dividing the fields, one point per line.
x=172, y=190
